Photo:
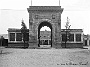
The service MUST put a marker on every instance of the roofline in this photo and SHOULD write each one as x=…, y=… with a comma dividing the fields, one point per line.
x=72, y=30
x=45, y=8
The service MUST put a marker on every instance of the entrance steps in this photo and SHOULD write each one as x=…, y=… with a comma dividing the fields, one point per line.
x=41, y=47
x=45, y=46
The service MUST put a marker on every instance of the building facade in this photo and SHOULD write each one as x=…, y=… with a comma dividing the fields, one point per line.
x=86, y=40
x=15, y=38
x=49, y=16
x=75, y=38
x=45, y=38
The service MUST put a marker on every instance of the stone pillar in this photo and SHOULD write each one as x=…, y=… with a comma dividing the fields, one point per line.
x=30, y=30
x=32, y=33
x=58, y=31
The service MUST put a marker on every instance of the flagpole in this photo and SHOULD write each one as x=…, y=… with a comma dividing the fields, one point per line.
x=59, y=2
x=31, y=2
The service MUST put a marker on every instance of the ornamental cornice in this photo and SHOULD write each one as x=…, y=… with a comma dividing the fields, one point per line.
x=45, y=8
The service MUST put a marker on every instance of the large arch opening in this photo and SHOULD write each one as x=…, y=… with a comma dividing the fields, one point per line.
x=45, y=34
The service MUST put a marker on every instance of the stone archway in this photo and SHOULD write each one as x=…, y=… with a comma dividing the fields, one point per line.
x=48, y=24
x=45, y=16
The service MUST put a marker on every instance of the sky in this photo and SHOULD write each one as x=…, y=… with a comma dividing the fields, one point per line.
x=13, y=11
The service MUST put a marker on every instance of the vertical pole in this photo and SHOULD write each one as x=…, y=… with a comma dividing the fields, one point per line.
x=31, y=2
x=59, y=2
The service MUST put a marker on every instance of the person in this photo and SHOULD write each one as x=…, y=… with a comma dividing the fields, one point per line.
x=1, y=40
x=1, y=44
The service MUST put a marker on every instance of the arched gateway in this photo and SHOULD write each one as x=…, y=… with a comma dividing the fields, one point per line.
x=45, y=36
x=49, y=16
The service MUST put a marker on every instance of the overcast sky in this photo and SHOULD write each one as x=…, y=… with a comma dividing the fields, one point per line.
x=12, y=12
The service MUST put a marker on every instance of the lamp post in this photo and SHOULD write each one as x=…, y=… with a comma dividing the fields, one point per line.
x=67, y=31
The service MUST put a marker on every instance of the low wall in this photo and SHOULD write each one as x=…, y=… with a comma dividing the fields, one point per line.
x=72, y=45
x=68, y=45
x=18, y=45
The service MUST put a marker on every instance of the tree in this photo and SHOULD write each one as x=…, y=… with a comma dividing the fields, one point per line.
x=23, y=31
x=67, y=31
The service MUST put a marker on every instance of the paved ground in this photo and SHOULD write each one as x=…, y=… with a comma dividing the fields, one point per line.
x=12, y=57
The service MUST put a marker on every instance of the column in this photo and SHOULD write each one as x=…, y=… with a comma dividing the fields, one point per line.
x=15, y=36
x=82, y=38
x=74, y=38
x=87, y=41
x=8, y=36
